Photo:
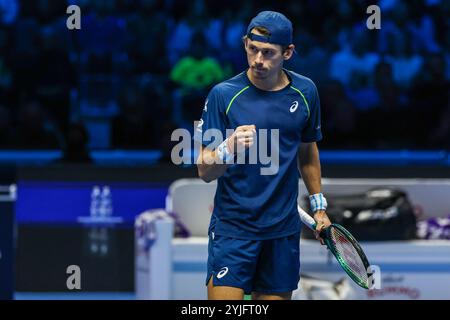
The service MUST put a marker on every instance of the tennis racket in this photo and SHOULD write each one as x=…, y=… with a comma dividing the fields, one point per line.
x=345, y=248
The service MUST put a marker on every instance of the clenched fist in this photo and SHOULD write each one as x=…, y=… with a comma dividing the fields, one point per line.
x=242, y=139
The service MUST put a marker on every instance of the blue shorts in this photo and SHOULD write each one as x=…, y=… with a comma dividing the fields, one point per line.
x=264, y=266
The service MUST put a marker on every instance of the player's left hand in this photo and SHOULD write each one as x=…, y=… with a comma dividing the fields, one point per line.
x=322, y=221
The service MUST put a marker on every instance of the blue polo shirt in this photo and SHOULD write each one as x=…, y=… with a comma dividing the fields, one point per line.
x=249, y=204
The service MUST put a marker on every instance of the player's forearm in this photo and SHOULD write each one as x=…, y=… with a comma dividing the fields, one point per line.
x=211, y=163
x=209, y=166
x=309, y=166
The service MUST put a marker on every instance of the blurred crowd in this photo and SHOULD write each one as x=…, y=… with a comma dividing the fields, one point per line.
x=138, y=69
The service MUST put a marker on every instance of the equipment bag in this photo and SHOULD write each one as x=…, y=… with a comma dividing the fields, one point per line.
x=380, y=214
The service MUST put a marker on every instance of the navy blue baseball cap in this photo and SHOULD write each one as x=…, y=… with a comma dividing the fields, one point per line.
x=279, y=27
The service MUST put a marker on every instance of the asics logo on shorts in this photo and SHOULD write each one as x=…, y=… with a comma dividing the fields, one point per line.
x=294, y=106
x=222, y=272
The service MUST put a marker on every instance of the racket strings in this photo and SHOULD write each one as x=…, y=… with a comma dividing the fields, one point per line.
x=350, y=255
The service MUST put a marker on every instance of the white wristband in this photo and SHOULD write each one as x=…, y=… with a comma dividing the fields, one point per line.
x=223, y=153
x=318, y=202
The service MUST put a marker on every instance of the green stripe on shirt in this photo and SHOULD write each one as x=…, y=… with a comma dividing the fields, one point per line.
x=235, y=96
x=304, y=99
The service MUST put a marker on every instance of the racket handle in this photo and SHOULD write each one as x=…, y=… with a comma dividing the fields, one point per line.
x=306, y=218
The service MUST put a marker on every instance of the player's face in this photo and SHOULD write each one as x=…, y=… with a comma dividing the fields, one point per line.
x=264, y=59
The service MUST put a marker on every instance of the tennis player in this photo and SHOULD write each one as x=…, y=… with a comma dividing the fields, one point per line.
x=254, y=232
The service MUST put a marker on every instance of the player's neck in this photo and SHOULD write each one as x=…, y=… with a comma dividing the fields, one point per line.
x=277, y=82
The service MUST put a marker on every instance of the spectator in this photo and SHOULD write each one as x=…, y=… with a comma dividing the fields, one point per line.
x=8, y=11
x=387, y=90
x=194, y=74
x=33, y=132
x=57, y=78
x=390, y=109
x=341, y=117
x=24, y=55
x=196, y=21
x=76, y=142
x=148, y=29
x=361, y=93
x=356, y=58
x=440, y=136
x=5, y=72
x=7, y=137
x=102, y=38
x=429, y=96
x=234, y=28
x=447, y=54
x=311, y=59
x=133, y=128
x=422, y=29
x=196, y=70
x=405, y=63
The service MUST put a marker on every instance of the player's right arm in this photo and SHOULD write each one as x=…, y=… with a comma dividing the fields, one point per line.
x=211, y=163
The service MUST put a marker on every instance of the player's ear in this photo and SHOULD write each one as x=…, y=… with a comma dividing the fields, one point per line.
x=244, y=41
x=288, y=52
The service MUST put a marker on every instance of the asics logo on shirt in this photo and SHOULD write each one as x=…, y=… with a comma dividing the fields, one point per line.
x=222, y=272
x=293, y=107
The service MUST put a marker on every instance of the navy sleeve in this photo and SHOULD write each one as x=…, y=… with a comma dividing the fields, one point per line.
x=312, y=131
x=211, y=129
